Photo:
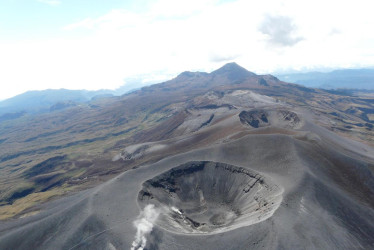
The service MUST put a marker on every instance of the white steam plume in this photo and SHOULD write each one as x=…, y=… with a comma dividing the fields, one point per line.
x=144, y=225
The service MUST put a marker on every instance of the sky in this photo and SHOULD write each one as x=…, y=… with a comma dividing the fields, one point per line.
x=97, y=44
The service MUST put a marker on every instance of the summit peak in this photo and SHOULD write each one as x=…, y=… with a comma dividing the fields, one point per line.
x=233, y=71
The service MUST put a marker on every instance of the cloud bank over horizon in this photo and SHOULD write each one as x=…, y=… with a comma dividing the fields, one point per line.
x=163, y=38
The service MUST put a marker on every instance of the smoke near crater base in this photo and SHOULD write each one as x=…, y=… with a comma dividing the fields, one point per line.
x=144, y=225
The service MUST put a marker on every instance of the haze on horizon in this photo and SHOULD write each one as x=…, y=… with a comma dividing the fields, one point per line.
x=93, y=44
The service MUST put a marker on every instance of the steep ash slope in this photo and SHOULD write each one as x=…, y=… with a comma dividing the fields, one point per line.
x=225, y=160
x=318, y=209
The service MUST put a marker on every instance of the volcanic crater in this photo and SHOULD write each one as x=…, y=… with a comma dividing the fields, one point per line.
x=204, y=197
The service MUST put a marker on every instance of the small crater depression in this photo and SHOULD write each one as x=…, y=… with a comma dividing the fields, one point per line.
x=254, y=118
x=262, y=118
x=210, y=197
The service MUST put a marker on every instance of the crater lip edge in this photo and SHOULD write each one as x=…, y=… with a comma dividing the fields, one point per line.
x=206, y=197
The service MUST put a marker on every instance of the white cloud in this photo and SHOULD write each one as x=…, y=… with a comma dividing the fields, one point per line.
x=280, y=30
x=50, y=2
x=169, y=37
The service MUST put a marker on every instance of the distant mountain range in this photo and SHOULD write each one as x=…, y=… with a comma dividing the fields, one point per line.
x=39, y=101
x=42, y=101
x=337, y=79
x=36, y=102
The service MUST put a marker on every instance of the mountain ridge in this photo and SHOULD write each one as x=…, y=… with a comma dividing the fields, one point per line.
x=89, y=136
x=241, y=161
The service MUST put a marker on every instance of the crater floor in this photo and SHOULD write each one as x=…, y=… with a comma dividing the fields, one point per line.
x=210, y=197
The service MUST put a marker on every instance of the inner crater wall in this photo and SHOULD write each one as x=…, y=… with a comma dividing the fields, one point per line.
x=210, y=197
